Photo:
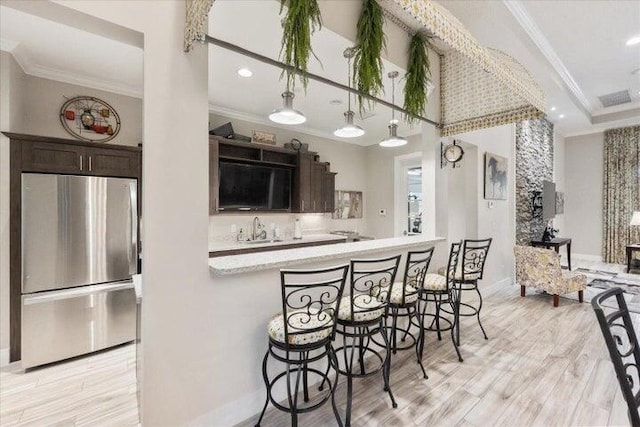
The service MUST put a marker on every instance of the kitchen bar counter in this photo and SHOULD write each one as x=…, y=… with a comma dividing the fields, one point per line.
x=244, y=263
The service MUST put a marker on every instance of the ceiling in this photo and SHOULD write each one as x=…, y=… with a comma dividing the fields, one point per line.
x=575, y=49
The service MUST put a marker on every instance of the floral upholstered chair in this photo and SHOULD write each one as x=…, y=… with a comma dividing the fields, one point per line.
x=540, y=268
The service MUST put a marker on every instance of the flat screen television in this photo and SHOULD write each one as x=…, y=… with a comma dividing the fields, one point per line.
x=548, y=200
x=254, y=187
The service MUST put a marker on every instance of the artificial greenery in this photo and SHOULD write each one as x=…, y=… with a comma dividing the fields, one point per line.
x=416, y=78
x=302, y=19
x=370, y=41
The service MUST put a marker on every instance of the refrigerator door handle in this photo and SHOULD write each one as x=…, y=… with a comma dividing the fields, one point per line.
x=82, y=291
x=133, y=250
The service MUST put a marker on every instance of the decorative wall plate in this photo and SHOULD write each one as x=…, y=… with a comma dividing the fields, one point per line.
x=90, y=119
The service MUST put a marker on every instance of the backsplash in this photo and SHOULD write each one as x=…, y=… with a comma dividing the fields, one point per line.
x=314, y=223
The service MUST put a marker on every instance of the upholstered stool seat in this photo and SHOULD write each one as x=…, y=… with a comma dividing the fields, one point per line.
x=458, y=275
x=299, y=322
x=366, y=308
x=410, y=294
x=434, y=282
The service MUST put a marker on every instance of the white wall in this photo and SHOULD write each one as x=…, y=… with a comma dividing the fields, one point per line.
x=499, y=221
x=583, y=206
x=11, y=120
x=559, y=177
x=43, y=99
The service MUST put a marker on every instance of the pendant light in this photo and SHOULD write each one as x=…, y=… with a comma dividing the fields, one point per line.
x=393, y=140
x=287, y=115
x=349, y=130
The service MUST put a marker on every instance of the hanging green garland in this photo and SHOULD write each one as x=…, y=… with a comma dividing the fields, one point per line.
x=300, y=22
x=370, y=41
x=417, y=78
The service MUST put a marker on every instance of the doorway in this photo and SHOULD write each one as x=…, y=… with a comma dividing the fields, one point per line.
x=409, y=201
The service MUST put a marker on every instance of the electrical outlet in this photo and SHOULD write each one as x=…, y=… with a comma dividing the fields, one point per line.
x=234, y=228
x=382, y=212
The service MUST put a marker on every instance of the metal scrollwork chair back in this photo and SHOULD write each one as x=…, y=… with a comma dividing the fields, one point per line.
x=452, y=265
x=371, y=284
x=310, y=300
x=622, y=343
x=474, y=256
x=415, y=271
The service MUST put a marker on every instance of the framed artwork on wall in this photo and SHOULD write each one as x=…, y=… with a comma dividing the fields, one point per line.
x=348, y=205
x=495, y=177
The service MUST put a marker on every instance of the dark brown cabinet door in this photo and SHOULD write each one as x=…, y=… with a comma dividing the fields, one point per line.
x=305, y=184
x=214, y=183
x=110, y=162
x=328, y=191
x=318, y=204
x=45, y=157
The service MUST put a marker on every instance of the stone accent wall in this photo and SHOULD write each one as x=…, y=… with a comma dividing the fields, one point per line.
x=534, y=164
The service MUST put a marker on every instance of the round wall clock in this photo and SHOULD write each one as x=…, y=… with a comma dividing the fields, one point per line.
x=90, y=119
x=453, y=153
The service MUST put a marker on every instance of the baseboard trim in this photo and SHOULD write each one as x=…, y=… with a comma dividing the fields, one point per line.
x=586, y=257
x=4, y=357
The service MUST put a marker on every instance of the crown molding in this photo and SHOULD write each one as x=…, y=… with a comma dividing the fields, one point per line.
x=30, y=67
x=239, y=115
x=521, y=15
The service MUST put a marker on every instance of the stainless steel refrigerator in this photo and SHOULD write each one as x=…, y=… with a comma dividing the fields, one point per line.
x=79, y=251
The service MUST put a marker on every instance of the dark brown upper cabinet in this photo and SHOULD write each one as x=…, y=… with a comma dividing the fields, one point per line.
x=56, y=155
x=312, y=184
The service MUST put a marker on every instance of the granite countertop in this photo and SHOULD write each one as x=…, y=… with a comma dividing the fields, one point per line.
x=229, y=245
x=245, y=263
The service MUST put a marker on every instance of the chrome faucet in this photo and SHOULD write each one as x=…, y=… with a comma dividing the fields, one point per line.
x=258, y=231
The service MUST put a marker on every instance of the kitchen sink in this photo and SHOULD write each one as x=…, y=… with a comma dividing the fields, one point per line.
x=258, y=242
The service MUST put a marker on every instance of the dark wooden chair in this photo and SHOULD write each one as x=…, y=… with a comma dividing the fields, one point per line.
x=622, y=343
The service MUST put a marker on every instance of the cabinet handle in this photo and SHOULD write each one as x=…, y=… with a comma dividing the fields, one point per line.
x=89, y=163
x=81, y=162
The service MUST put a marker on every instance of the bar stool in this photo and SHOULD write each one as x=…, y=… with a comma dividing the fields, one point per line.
x=470, y=270
x=302, y=334
x=361, y=317
x=403, y=302
x=439, y=289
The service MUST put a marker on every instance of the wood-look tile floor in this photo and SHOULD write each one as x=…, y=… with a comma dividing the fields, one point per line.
x=88, y=391
x=542, y=366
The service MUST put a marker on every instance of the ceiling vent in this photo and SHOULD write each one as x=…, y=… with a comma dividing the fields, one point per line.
x=615, y=98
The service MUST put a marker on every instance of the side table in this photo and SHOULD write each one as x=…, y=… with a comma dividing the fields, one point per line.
x=630, y=250
x=556, y=243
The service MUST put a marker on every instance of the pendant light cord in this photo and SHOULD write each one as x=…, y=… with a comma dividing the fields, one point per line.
x=349, y=82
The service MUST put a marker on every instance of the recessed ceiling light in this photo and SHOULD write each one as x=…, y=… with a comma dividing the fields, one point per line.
x=335, y=102
x=633, y=40
x=553, y=108
x=245, y=72
x=561, y=116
